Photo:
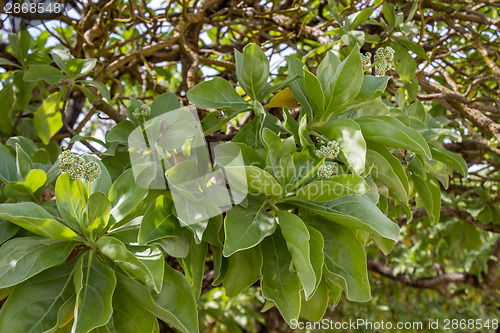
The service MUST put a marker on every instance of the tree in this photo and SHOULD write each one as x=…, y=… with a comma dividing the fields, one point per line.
x=332, y=152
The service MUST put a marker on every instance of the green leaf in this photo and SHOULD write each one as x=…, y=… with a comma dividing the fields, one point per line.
x=326, y=73
x=278, y=283
x=129, y=316
x=242, y=271
x=8, y=168
x=99, y=86
x=387, y=171
x=335, y=187
x=314, y=309
x=358, y=212
x=217, y=93
x=246, y=227
x=316, y=244
x=371, y=88
x=61, y=56
x=7, y=98
x=49, y=74
x=348, y=80
x=159, y=222
x=253, y=179
x=174, y=246
x=118, y=252
x=252, y=70
x=359, y=18
x=175, y=303
x=314, y=93
x=125, y=195
x=94, y=286
x=23, y=163
x=7, y=230
x=7, y=62
x=152, y=257
x=34, y=218
x=98, y=208
x=71, y=198
x=429, y=194
x=296, y=235
x=392, y=132
x=389, y=14
x=345, y=258
x=452, y=159
x=30, y=189
x=296, y=68
x=48, y=118
x=350, y=138
x=194, y=266
x=40, y=304
x=21, y=258
x=164, y=103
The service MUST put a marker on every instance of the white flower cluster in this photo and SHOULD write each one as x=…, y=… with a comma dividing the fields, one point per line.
x=366, y=59
x=330, y=151
x=144, y=110
x=76, y=167
x=325, y=171
x=385, y=55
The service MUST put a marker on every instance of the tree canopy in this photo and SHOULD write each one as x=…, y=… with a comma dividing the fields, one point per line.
x=395, y=103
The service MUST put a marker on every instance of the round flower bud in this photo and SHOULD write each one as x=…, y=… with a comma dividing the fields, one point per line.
x=92, y=171
x=77, y=170
x=366, y=59
x=325, y=171
x=330, y=151
x=66, y=160
x=136, y=113
x=384, y=57
x=145, y=110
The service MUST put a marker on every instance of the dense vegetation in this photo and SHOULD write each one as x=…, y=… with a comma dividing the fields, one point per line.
x=365, y=134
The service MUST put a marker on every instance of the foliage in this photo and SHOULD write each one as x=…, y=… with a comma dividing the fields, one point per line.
x=337, y=157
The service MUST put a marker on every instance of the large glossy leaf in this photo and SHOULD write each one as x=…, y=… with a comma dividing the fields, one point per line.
x=297, y=237
x=253, y=179
x=252, y=70
x=21, y=258
x=7, y=165
x=345, y=258
x=296, y=68
x=174, y=305
x=41, y=303
x=125, y=195
x=352, y=144
x=159, y=222
x=315, y=308
x=429, y=194
x=217, y=93
x=48, y=118
x=326, y=73
x=94, y=286
x=34, y=218
x=130, y=317
x=357, y=212
x=28, y=190
x=335, y=187
x=194, y=266
x=71, y=197
x=242, y=271
x=278, y=283
x=387, y=170
x=7, y=230
x=49, y=74
x=118, y=252
x=348, y=80
x=392, y=132
x=316, y=244
x=452, y=159
x=246, y=227
x=314, y=93
x=98, y=208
